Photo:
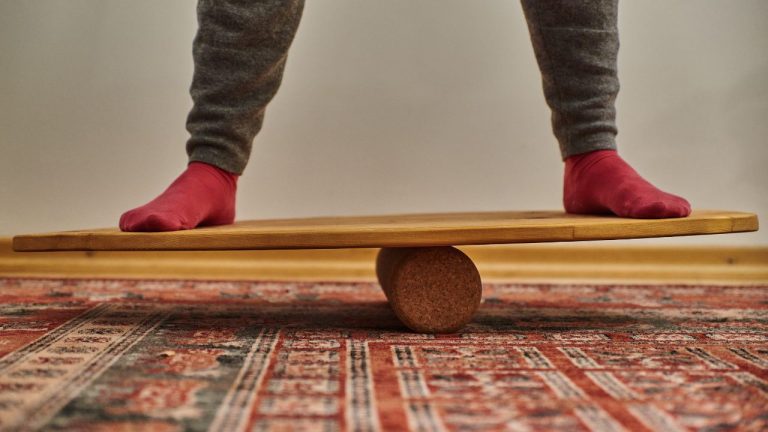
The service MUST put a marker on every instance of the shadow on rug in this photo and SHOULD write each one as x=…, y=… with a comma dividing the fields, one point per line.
x=260, y=356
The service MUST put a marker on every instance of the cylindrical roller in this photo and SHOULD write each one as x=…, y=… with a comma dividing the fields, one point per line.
x=431, y=289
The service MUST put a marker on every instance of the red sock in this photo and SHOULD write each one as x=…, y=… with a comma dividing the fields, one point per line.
x=601, y=182
x=201, y=195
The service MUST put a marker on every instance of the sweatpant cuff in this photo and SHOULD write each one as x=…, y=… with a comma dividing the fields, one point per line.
x=218, y=160
x=586, y=147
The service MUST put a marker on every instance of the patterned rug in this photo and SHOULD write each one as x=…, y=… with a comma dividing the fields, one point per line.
x=117, y=355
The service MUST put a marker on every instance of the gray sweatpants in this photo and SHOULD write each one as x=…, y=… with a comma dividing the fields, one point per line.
x=241, y=48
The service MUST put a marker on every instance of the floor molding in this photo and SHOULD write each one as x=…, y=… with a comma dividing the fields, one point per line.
x=503, y=262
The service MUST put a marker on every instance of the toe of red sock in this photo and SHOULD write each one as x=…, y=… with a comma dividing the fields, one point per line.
x=151, y=222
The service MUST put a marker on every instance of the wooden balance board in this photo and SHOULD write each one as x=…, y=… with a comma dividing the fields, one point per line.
x=432, y=286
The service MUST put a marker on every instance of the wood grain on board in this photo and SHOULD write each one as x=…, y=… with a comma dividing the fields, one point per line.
x=435, y=229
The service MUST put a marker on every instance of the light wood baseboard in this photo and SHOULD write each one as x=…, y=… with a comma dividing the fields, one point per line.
x=556, y=262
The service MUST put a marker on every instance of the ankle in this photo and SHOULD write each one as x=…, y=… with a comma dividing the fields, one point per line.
x=227, y=178
x=583, y=161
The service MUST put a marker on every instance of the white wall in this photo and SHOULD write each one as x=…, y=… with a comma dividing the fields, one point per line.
x=396, y=106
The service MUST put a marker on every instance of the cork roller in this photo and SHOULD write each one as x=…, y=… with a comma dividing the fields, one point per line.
x=430, y=289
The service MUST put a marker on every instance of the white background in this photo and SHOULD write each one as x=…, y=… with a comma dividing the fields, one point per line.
x=387, y=106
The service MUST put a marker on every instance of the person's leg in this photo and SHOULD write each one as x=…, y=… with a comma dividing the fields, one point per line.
x=576, y=43
x=239, y=52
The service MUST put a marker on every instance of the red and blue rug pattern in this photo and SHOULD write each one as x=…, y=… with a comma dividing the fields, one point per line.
x=120, y=355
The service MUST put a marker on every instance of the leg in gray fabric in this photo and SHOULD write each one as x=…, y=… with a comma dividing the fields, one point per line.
x=240, y=53
x=576, y=44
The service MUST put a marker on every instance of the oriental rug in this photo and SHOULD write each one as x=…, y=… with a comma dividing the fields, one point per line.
x=168, y=355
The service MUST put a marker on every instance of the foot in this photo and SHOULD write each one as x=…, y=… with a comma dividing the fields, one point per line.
x=202, y=195
x=601, y=182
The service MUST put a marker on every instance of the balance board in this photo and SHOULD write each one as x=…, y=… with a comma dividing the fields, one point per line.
x=432, y=286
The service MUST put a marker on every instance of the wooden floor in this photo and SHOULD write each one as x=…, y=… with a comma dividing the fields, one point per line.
x=558, y=262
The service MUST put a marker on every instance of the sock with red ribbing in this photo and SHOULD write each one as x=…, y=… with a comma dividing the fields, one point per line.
x=601, y=182
x=203, y=195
